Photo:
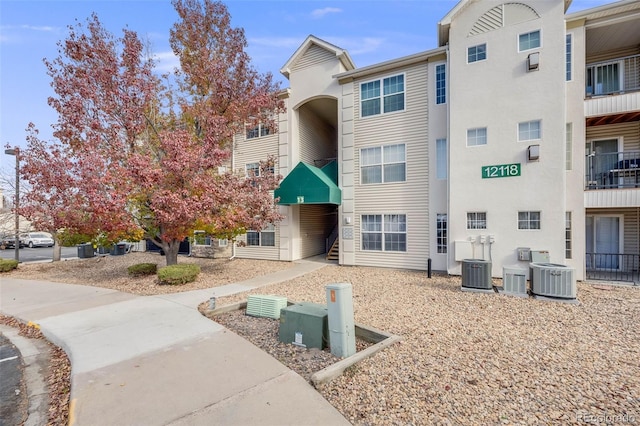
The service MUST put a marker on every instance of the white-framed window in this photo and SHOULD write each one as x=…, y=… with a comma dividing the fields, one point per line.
x=477, y=53
x=441, y=230
x=567, y=235
x=223, y=243
x=200, y=238
x=528, y=41
x=264, y=238
x=477, y=136
x=252, y=169
x=387, y=163
x=258, y=131
x=384, y=232
x=441, y=159
x=530, y=130
x=374, y=101
x=476, y=220
x=568, y=57
x=569, y=146
x=441, y=84
x=529, y=220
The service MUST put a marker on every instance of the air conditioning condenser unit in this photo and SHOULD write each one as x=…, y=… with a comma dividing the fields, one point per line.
x=553, y=280
x=476, y=275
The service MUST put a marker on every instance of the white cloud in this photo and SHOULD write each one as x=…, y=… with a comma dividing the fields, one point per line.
x=320, y=13
x=166, y=61
x=47, y=29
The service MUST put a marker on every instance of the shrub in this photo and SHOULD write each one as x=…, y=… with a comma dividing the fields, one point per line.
x=178, y=274
x=141, y=269
x=7, y=265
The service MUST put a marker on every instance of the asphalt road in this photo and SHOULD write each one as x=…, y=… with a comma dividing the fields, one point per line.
x=38, y=254
x=13, y=398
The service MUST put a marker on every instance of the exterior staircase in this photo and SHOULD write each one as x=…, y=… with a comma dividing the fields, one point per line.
x=334, y=251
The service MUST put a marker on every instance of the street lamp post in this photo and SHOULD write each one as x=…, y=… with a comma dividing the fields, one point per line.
x=16, y=204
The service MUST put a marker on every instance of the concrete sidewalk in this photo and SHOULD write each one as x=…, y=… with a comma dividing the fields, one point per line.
x=154, y=360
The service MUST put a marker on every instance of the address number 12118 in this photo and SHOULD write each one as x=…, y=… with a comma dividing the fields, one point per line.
x=501, y=170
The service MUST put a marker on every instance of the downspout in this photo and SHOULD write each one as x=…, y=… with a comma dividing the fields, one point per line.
x=449, y=217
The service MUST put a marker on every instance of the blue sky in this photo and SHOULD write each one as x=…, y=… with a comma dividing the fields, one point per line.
x=372, y=31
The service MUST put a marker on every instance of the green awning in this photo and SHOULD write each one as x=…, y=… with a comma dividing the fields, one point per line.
x=307, y=184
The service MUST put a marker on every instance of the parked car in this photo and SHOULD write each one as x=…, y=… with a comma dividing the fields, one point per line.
x=9, y=239
x=36, y=239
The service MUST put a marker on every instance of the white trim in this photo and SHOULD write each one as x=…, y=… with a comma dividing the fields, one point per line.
x=381, y=97
x=539, y=30
x=533, y=139
x=486, y=53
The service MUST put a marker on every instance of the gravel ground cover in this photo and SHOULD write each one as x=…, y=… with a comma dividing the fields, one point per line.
x=466, y=358
x=111, y=272
x=263, y=332
x=470, y=358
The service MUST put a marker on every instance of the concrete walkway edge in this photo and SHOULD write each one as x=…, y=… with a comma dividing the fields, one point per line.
x=155, y=360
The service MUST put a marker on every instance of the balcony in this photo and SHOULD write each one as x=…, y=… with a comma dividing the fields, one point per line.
x=613, y=91
x=613, y=267
x=614, y=77
x=613, y=170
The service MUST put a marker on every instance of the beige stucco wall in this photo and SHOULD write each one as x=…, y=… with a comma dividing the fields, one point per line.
x=498, y=93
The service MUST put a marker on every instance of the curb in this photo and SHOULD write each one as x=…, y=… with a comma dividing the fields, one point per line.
x=35, y=359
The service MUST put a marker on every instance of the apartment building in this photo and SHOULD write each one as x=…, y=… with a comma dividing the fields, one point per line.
x=520, y=130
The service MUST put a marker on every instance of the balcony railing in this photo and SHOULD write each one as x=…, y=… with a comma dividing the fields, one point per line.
x=613, y=267
x=612, y=77
x=613, y=170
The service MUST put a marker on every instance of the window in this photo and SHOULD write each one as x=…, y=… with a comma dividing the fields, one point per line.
x=477, y=53
x=384, y=232
x=477, y=136
x=441, y=158
x=383, y=164
x=528, y=220
x=257, y=131
x=529, y=130
x=568, y=54
x=477, y=220
x=567, y=235
x=441, y=84
x=441, y=230
x=252, y=169
x=201, y=239
x=264, y=238
x=529, y=41
x=392, y=96
x=569, y=147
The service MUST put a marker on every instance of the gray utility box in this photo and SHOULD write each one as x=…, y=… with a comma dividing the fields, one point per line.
x=304, y=324
x=342, y=331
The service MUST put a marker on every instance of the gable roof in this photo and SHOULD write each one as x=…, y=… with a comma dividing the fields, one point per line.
x=445, y=23
x=341, y=54
x=307, y=184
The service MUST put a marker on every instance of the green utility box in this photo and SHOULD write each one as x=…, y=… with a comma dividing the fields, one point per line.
x=304, y=324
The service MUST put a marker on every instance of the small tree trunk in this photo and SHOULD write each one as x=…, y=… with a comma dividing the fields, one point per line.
x=171, y=252
x=57, y=248
x=57, y=252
